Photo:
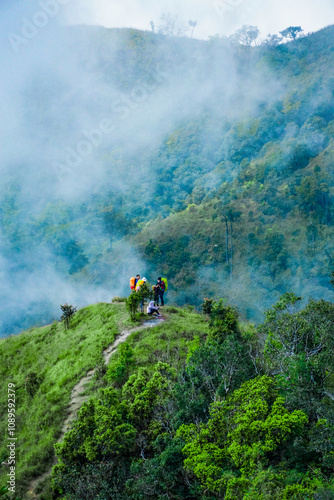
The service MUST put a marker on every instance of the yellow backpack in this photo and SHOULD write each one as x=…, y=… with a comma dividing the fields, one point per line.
x=139, y=284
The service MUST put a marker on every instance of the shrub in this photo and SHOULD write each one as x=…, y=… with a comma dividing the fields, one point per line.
x=223, y=320
x=119, y=371
x=32, y=383
x=68, y=312
x=119, y=299
x=135, y=298
x=207, y=306
x=132, y=303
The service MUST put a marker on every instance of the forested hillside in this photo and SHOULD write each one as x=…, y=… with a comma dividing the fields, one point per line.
x=214, y=169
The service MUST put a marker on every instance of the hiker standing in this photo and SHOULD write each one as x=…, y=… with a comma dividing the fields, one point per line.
x=159, y=291
x=134, y=281
x=156, y=293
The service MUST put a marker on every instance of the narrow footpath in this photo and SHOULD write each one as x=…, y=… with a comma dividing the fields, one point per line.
x=78, y=397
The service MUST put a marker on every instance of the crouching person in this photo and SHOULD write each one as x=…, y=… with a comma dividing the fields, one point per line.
x=152, y=309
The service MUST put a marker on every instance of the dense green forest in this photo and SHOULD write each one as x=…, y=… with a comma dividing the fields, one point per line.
x=218, y=175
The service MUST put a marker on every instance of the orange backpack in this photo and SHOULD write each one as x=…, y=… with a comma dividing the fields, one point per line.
x=132, y=283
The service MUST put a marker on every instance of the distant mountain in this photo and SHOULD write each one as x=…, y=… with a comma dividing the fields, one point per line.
x=207, y=162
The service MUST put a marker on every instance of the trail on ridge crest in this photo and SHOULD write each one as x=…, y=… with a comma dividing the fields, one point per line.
x=78, y=398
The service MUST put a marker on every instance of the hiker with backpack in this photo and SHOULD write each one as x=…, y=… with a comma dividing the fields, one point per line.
x=159, y=291
x=134, y=281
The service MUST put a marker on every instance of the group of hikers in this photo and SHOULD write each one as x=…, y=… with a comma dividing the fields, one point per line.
x=159, y=289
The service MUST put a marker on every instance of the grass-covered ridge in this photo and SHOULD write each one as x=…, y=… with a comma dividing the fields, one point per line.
x=46, y=363
x=168, y=341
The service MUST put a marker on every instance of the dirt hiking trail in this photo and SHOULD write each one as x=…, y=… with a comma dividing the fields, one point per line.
x=78, y=398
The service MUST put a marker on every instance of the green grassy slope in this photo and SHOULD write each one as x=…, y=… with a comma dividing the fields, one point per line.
x=167, y=342
x=46, y=363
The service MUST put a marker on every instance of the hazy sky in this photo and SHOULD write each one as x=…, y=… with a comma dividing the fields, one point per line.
x=213, y=16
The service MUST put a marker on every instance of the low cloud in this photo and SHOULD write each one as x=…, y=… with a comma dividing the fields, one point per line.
x=214, y=16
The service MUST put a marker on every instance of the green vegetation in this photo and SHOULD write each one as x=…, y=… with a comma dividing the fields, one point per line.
x=233, y=448
x=201, y=406
x=235, y=413
x=45, y=364
x=68, y=312
x=167, y=341
x=137, y=299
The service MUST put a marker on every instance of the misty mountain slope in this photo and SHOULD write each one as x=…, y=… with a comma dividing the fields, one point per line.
x=274, y=183
x=121, y=126
x=280, y=238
